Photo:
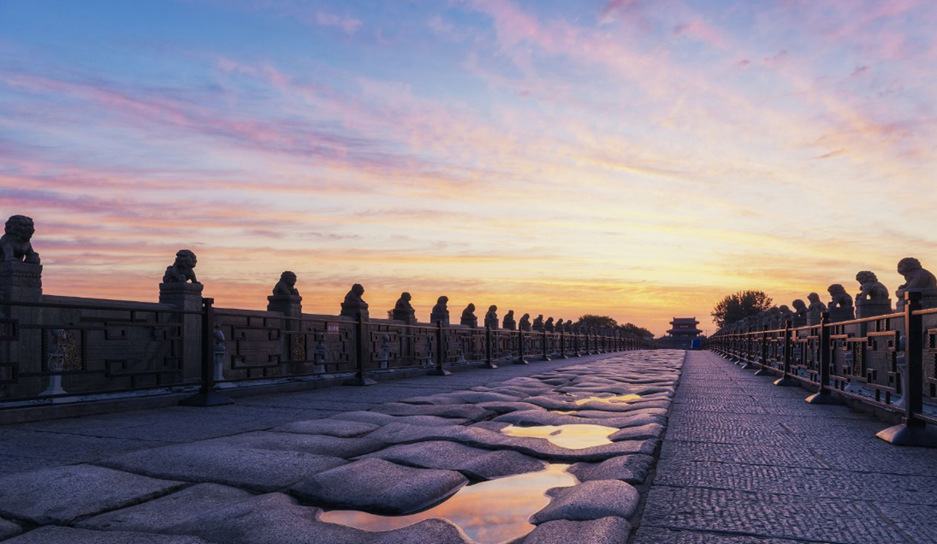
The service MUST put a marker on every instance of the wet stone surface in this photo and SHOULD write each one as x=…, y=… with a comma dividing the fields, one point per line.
x=431, y=448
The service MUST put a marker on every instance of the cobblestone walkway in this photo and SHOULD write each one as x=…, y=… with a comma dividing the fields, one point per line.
x=341, y=465
x=744, y=462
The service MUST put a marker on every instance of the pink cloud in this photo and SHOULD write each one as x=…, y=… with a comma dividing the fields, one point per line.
x=349, y=24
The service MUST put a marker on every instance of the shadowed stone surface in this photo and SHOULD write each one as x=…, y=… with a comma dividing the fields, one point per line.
x=65, y=535
x=62, y=494
x=259, y=470
x=461, y=411
x=588, y=501
x=379, y=487
x=8, y=529
x=607, y=530
x=267, y=519
x=331, y=427
x=475, y=463
x=331, y=446
x=377, y=418
x=164, y=512
x=627, y=468
x=744, y=462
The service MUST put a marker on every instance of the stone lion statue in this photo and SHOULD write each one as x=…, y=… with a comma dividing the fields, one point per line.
x=784, y=315
x=560, y=324
x=525, y=322
x=287, y=285
x=816, y=305
x=915, y=276
x=508, y=322
x=403, y=303
x=800, y=309
x=468, y=316
x=870, y=289
x=183, y=269
x=538, y=323
x=353, y=298
x=491, y=318
x=548, y=325
x=442, y=306
x=15, y=242
x=841, y=299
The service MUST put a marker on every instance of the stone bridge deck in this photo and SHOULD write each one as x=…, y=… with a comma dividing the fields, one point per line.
x=744, y=462
x=741, y=462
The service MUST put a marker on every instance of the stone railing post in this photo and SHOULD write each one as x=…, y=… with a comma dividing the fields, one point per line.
x=187, y=297
x=207, y=396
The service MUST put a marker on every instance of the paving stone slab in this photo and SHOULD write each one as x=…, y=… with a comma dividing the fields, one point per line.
x=750, y=454
x=70, y=448
x=8, y=529
x=461, y=397
x=66, y=535
x=476, y=464
x=258, y=470
x=331, y=427
x=768, y=515
x=888, y=488
x=607, y=530
x=544, y=417
x=461, y=411
x=377, y=418
x=480, y=437
x=917, y=521
x=318, y=444
x=158, y=515
x=654, y=535
x=627, y=468
x=589, y=501
x=273, y=518
x=63, y=494
x=430, y=531
x=379, y=487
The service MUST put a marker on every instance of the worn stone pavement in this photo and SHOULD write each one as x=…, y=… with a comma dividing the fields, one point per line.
x=745, y=462
x=257, y=471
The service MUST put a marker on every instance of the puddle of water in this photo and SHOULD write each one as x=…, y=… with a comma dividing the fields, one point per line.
x=489, y=512
x=571, y=437
x=611, y=400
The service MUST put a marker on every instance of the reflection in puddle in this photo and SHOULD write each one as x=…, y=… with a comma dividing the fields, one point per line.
x=488, y=512
x=616, y=399
x=572, y=437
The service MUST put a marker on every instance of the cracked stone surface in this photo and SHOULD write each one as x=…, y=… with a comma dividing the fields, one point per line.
x=326, y=445
x=379, y=487
x=62, y=494
x=607, y=530
x=589, y=501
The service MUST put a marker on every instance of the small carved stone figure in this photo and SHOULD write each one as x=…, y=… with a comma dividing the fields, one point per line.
x=440, y=312
x=815, y=310
x=916, y=279
x=491, y=318
x=509, y=323
x=183, y=269
x=403, y=310
x=570, y=327
x=841, y=305
x=468, y=316
x=538, y=323
x=354, y=304
x=800, y=313
x=549, y=326
x=286, y=286
x=525, y=322
x=873, y=298
x=559, y=325
x=16, y=242
x=784, y=315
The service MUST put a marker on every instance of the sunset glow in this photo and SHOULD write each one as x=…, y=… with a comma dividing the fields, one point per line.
x=633, y=158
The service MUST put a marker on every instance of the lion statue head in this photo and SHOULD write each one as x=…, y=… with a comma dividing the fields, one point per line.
x=15, y=243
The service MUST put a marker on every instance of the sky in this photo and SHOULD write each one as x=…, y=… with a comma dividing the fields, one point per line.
x=633, y=158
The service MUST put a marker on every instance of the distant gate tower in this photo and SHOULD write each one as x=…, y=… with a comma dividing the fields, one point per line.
x=683, y=332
